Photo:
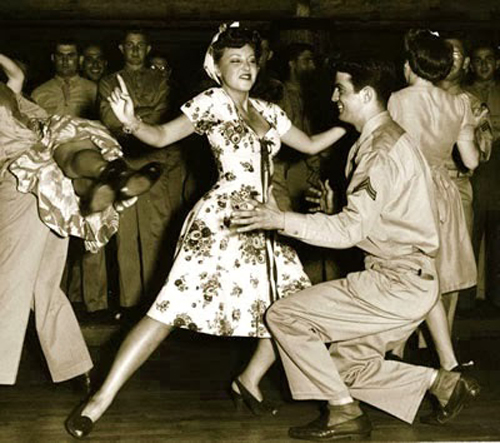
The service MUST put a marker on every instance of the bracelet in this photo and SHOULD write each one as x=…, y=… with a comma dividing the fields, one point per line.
x=133, y=127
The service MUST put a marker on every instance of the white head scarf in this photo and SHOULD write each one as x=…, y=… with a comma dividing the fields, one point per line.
x=209, y=63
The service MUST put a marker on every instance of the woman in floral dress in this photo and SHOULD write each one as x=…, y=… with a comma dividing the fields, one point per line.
x=222, y=281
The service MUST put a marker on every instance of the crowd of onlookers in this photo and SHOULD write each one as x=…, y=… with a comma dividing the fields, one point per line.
x=138, y=259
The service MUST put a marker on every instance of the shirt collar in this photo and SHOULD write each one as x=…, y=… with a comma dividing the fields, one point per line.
x=367, y=130
x=69, y=80
x=372, y=124
x=134, y=71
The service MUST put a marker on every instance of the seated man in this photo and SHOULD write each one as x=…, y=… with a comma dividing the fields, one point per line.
x=391, y=215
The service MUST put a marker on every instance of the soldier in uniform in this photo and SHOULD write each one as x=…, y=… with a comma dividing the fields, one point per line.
x=391, y=215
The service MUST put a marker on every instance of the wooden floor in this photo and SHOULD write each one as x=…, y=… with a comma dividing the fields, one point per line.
x=180, y=395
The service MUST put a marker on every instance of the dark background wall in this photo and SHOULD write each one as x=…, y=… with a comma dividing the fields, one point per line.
x=183, y=28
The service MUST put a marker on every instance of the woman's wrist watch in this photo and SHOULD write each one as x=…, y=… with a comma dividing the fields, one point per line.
x=133, y=126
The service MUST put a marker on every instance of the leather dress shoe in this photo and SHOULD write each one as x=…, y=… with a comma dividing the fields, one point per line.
x=318, y=430
x=78, y=425
x=465, y=390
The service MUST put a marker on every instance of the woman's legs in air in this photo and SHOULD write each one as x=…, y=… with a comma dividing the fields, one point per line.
x=80, y=159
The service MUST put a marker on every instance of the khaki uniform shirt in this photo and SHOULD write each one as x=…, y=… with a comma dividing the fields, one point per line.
x=489, y=94
x=149, y=91
x=390, y=211
x=75, y=96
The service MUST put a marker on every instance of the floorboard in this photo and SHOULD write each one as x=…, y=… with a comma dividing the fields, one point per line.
x=180, y=395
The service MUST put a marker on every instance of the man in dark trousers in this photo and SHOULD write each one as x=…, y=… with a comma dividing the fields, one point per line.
x=147, y=234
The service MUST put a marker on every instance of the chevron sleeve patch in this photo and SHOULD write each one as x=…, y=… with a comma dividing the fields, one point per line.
x=367, y=186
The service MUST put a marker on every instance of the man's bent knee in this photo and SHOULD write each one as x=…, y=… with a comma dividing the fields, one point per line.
x=277, y=314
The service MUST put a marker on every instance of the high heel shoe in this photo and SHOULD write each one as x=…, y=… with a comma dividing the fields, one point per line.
x=118, y=182
x=78, y=425
x=237, y=400
x=256, y=407
x=140, y=181
x=102, y=193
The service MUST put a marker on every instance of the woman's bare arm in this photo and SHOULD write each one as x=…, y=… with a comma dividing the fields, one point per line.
x=299, y=140
x=14, y=73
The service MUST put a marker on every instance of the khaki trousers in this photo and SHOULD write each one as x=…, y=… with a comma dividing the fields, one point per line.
x=362, y=316
x=32, y=260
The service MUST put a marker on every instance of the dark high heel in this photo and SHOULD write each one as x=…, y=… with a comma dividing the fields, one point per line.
x=244, y=397
x=237, y=400
x=118, y=182
x=138, y=182
x=78, y=425
x=102, y=193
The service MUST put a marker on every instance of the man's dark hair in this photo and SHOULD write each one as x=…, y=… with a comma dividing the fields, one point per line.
x=378, y=74
x=294, y=50
x=461, y=36
x=429, y=56
x=66, y=41
x=136, y=31
x=92, y=45
x=236, y=38
x=485, y=44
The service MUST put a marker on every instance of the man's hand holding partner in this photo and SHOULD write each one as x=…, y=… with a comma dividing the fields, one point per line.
x=258, y=215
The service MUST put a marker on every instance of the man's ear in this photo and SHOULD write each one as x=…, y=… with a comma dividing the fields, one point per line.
x=80, y=60
x=270, y=55
x=368, y=94
x=120, y=47
x=53, y=58
x=148, y=49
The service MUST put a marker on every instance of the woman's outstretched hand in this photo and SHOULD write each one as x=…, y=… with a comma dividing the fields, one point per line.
x=122, y=104
x=322, y=198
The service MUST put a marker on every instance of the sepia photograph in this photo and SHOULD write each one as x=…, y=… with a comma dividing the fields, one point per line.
x=249, y=221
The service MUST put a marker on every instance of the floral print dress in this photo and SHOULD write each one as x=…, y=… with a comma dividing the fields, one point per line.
x=222, y=281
